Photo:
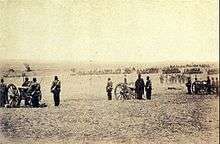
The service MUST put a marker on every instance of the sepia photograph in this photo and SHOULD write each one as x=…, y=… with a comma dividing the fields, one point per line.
x=109, y=72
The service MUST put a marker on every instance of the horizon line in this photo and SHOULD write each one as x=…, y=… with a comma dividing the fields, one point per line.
x=106, y=62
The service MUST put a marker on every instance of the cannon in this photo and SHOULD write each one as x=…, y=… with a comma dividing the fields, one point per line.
x=19, y=96
x=201, y=87
x=124, y=91
x=16, y=95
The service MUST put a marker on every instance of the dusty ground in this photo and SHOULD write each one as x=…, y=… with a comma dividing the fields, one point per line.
x=85, y=116
x=172, y=120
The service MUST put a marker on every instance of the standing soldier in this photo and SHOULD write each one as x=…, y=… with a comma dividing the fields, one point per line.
x=125, y=79
x=175, y=78
x=213, y=85
x=26, y=84
x=3, y=93
x=166, y=78
x=161, y=79
x=183, y=78
x=139, y=87
x=35, y=92
x=195, y=86
x=209, y=86
x=179, y=78
x=217, y=86
x=55, y=89
x=109, y=88
x=189, y=86
x=148, y=88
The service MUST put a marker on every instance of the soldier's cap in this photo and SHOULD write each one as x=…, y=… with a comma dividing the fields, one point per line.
x=56, y=77
x=34, y=79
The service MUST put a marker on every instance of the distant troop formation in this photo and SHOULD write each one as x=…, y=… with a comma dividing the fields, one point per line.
x=209, y=86
x=172, y=78
x=28, y=95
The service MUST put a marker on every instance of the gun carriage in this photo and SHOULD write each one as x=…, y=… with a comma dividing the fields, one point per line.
x=17, y=94
x=125, y=91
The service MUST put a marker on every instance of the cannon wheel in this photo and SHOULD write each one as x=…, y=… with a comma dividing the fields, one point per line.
x=123, y=92
x=202, y=88
x=15, y=100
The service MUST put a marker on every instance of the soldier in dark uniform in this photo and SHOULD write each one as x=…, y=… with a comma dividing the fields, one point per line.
x=161, y=79
x=183, y=78
x=139, y=87
x=196, y=86
x=109, y=88
x=55, y=89
x=26, y=82
x=175, y=78
x=189, y=86
x=209, y=86
x=35, y=93
x=148, y=88
x=24, y=93
x=166, y=78
x=125, y=80
x=217, y=86
x=213, y=85
x=3, y=93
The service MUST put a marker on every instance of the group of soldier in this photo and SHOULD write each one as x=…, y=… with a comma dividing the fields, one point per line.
x=30, y=93
x=209, y=86
x=140, y=86
x=172, y=78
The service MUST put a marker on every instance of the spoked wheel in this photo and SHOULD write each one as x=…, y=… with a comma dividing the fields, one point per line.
x=123, y=92
x=120, y=92
x=132, y=94
x=13, y=96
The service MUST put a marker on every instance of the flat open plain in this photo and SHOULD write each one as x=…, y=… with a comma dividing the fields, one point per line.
x=86, y=116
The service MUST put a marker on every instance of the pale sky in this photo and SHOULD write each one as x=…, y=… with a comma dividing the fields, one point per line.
x=109, y=30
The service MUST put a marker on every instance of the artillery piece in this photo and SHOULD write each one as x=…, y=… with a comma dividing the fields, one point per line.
x=124, y=91
x=16, y=95
x=201, y=87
